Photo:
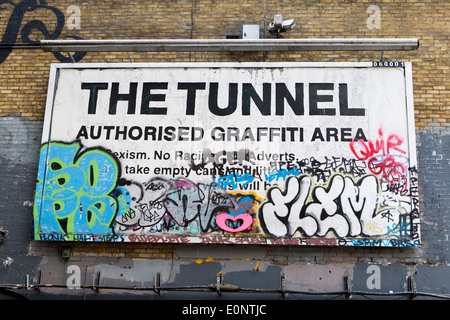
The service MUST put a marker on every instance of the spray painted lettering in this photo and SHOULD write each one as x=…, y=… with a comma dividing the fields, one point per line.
x=73, y=193
x=344, y=208
x=80, y=196
x=179, y=205
x=385, y=157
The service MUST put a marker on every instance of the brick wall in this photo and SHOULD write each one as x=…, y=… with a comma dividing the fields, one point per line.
x=25, y=72
x=23, y=90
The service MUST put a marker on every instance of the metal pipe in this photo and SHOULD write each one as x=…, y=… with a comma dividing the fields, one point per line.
x=8, y=46
x=229, y=288
x=190, y=45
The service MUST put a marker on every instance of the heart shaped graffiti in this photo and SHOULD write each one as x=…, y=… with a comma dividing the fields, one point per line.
x=222, y=219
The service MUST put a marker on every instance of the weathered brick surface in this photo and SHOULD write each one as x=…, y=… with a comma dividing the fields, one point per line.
x=24, y=72
x=434, y=160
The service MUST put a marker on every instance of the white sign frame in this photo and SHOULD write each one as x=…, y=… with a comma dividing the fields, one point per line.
x=270, y=227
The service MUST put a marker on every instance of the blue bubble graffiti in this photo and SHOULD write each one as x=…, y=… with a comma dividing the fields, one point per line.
x=74, y=192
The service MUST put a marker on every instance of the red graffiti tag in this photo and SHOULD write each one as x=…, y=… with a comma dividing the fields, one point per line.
x=381, y=156
x=364, y=151
x=387, y=166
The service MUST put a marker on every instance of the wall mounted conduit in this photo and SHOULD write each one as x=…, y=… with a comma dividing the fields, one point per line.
x=220, y=288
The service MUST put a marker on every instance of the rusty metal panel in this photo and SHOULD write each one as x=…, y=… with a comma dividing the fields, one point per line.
x=257, y=153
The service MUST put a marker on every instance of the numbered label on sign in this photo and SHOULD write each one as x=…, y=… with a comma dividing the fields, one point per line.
x=388, y=64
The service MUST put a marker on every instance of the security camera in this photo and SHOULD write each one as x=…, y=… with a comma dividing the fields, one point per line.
x=279, y=25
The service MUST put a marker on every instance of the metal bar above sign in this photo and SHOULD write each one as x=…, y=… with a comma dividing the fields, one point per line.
x=186, y=45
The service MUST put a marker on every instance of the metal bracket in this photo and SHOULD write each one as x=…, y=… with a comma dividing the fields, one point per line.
x=39, y=276
x=347, y=287
x=27, y=282
x=157, y=282
x=71, y=57
x=283, y=285
x=411, y=287
x=65, y=252
x=219, y=283
x=95, y=281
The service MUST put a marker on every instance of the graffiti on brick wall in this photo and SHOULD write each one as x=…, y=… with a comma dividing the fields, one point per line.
x=17, y=21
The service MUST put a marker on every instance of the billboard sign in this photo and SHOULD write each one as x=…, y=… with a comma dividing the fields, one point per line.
x=257, y=153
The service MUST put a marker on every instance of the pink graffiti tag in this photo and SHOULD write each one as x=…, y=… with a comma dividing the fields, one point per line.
x=372, y=148
x=222, y=219
x=381, y=157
